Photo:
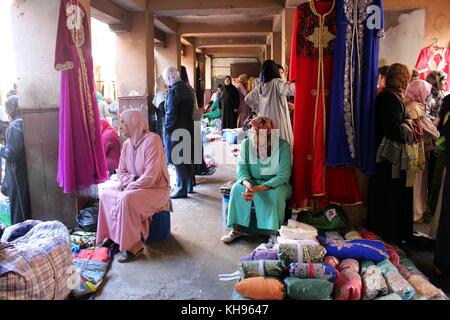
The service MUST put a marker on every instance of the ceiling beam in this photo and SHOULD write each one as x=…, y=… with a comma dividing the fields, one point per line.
x=160, y=36
x=227, y=52
x=166, y=24
x=190, y=29
x=277, y=23
x=112, y=14
x=208, y=7
x=212, y=42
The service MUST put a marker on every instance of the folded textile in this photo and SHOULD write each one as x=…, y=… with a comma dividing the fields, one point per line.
x=332, y=261
x=292, y=241
x=420, y=283
x=349, y=284
x=392, y=296
x=268, y=254
x=98, y=254
x=308, y=289
x=333, y=235
x=16, y=231
x=357, y=249
x=353, y=235
x=289, y=253
x=396, y=283
x=36, y=266
x=298, y=231
x=91, y=270
x=322, y=271
x=262, y=268
x=260, y=288
x=393, y=255
x=373, y=281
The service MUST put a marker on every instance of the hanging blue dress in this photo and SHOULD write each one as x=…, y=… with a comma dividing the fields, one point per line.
x=351, y=135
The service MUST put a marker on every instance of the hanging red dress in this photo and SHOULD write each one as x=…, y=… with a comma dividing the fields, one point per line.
x=433, y=58
x=82, y=160
x=311, y=69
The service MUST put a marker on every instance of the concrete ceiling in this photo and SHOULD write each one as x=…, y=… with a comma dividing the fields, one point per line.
x=227, y=25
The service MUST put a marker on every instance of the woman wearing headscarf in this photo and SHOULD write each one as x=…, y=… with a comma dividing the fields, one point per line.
x=143, y=189
x=268, y=99
x=111, y=144
x=263, y=173
x=434, y=103
x=230, y=105
x=244, y=110
x=15, y=184
x=390, y=202
x=416, y=96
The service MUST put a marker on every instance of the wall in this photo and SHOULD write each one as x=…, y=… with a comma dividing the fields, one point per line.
x=403, y=30
x=437, y=23
x=169, y=56
x=37, y=81
x=189, y=61
x=131, y=57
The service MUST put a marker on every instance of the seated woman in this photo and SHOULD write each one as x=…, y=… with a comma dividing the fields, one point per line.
x=142, y=191
x=215, y=112
x=111, y=144
x=263, y=173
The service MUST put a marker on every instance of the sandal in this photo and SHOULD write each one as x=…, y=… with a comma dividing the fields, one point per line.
x=129, y=257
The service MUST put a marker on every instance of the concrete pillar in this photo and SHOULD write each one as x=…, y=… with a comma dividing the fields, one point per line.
x=208, y=73
x=287, y=26
x=150, y=55
x=268, y=54
x=189, y=60
x=277, y=47
x=131, y=65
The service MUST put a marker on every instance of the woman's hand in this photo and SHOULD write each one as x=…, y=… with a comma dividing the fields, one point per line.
x=260, y=189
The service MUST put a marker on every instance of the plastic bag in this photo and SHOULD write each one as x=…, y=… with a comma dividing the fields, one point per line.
x=87, y=219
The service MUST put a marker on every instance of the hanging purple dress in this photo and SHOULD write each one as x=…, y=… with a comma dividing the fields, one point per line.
x=82, y=160
x=351, y=139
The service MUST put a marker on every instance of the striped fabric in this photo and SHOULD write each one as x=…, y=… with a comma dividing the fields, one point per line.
x=38, y=265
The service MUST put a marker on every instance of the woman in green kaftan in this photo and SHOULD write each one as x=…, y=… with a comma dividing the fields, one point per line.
x=263, y=172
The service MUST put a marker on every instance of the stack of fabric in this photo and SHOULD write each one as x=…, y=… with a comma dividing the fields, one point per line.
x=341, y=264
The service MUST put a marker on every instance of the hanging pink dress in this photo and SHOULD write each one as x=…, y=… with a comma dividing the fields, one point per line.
x=82, y=160
x=143, y=188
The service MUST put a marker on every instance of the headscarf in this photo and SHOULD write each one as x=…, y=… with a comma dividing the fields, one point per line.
x=270, y=71
x=263, y=148
x=435, y=78
x=106, y=126
x=397, y=79
x=136, y=124
x=243, y=78
x=418, y=91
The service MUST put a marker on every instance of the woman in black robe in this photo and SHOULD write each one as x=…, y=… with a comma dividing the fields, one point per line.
x=390, y=201
x=15, y=184
x=230, y=105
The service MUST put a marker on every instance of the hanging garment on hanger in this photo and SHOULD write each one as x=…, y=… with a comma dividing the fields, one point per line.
x=311, y=69
x=355, y=75
x=82, y=160
x=433, y=58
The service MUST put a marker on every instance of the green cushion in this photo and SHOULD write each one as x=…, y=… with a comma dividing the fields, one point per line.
x=308, y=289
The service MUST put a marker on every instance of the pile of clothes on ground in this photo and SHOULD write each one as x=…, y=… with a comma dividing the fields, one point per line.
x=91, y=262
x=321, y=258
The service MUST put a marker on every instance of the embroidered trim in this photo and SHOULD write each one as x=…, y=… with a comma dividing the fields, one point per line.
x=64, y=66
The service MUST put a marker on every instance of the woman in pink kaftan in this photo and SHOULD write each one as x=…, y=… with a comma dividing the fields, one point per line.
x=143, y=188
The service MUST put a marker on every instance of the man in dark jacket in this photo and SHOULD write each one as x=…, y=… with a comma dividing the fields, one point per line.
x=15, y=184
x=179, y=131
